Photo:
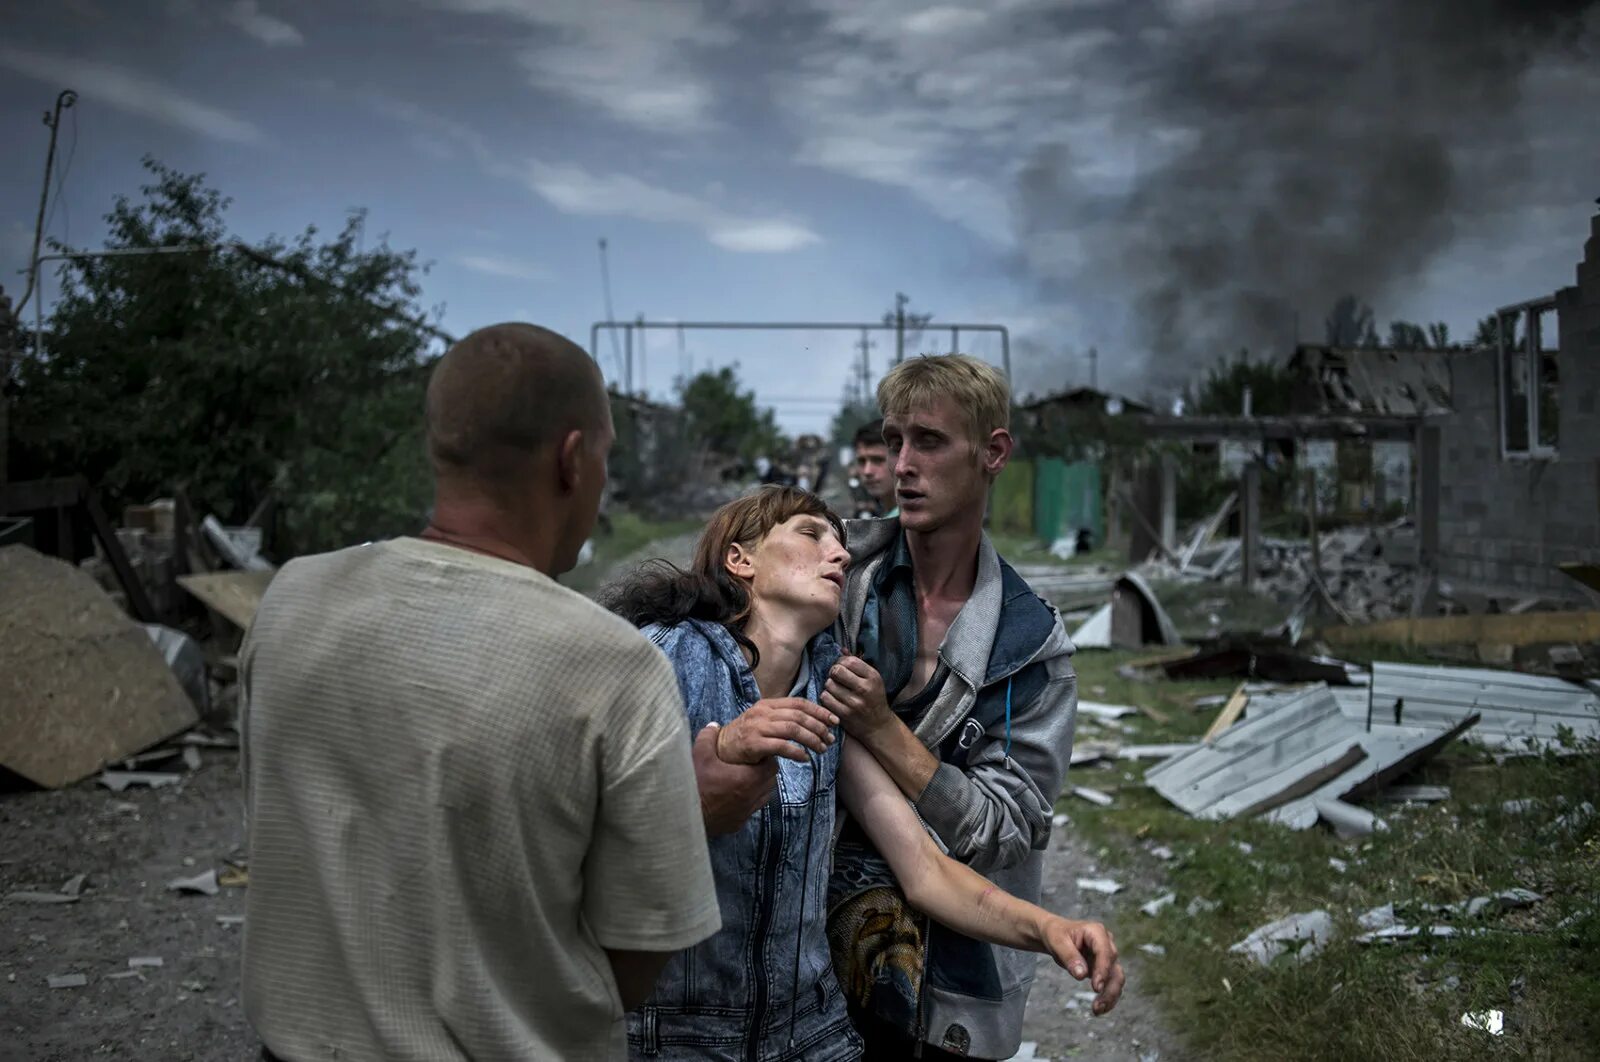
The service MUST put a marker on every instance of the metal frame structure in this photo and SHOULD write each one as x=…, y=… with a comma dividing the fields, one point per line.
x=640, y=323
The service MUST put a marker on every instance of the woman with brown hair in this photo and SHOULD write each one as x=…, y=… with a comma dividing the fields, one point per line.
x=746, y=631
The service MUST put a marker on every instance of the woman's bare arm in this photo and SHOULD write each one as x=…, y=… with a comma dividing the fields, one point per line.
x=961, y=898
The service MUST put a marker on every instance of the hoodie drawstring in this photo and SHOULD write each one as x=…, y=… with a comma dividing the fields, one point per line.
x=1008, y=718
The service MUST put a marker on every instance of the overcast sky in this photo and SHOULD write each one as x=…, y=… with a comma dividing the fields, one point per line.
x=801, y=160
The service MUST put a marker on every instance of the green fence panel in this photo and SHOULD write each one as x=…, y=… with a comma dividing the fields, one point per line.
x=1066, y=497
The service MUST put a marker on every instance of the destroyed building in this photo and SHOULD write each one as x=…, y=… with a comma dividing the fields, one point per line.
x=1513, y=471
x=1361, y=475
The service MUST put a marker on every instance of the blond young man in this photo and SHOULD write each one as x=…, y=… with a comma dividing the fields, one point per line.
x=977, y=731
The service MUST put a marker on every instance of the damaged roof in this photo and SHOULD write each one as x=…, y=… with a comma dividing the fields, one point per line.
x=1350, y=380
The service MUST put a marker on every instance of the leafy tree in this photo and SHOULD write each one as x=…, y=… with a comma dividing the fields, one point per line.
x=1404, y=335
x=1221, y=391
x=1488, y=332
x=726, y=419
x=851, y=418
x=1349, y=324
x=294, y=365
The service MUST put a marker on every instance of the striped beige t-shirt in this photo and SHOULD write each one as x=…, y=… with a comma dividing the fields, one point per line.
x=462, y=782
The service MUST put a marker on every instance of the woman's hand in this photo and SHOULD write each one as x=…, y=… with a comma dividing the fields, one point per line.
x=855, y=692
x=777, y=726
x=1086, y=949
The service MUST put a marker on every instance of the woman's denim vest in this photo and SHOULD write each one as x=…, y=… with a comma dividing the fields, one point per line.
x=763, y=988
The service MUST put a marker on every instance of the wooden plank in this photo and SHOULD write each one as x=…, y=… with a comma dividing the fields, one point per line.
x=1179, y=653
x=1529, y=628
x=233, y=595
x=1228, y=715
x=138, y=601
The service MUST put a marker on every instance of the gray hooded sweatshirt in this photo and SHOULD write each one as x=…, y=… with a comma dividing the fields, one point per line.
x=1002, y=727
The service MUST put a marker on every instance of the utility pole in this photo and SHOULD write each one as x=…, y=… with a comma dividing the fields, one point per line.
x=865, y=345
x=8, y=335
x=901, y=321
x=1094, y=369
x=643, y=386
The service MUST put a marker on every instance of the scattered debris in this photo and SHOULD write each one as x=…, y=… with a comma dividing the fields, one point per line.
x=1059, y=821
x=1131, y=619
x=1245, y=846
x=1163, y=853
x=81, y=684
x=1159, y=904
x=1154, y=752
x=1105, y=711
x=1101, y=885
x=66, y=980
x=205, y=884
x=187, y=661
x=1200, y=905
x=1492, y=1022
x=1093, y=796
x=1575, y=818
x=1229, y=715
x=1347, y=820
x=1338, y=864
x=1301, y=935
x=143, y=961
x=1153, y=949
x=1258, y=658
x=1415, y=794
x=234, y=877
x=230, y=920
x=1403, y=931
x=1296, y=762
x=70, y=892
x=1377, y=918
x=117, y=781
x=1079, y=1000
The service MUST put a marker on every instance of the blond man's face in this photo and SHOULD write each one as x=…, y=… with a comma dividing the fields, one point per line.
x=937, y=475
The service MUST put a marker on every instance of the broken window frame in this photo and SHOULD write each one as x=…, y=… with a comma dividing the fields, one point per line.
x=1536, y=364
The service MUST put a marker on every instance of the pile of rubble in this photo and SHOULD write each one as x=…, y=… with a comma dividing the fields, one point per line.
x=1356, y=574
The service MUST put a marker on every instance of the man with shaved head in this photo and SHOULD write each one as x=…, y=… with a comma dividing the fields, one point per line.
x=473, y=824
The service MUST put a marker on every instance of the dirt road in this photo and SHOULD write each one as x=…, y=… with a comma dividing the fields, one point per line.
x=131, y=844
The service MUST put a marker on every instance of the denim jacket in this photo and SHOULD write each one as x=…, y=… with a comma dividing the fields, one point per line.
x=763, y=988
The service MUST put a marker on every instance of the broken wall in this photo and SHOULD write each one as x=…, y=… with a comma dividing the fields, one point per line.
x=1504, y=523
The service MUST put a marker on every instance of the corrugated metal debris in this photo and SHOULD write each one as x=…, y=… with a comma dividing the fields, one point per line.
x=1305, y=752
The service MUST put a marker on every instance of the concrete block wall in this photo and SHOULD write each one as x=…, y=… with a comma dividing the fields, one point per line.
x=1505, y=523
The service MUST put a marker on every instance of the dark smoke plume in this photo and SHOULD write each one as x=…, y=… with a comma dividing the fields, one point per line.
x=1297, y=152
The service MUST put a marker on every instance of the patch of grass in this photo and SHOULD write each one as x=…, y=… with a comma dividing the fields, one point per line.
x=1026, y=549
x=1400, y=1001
x=629, y=534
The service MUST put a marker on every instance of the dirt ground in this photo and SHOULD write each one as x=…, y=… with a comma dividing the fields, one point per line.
x=131, y=844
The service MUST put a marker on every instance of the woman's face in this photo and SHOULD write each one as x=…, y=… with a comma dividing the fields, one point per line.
x=798, y=567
